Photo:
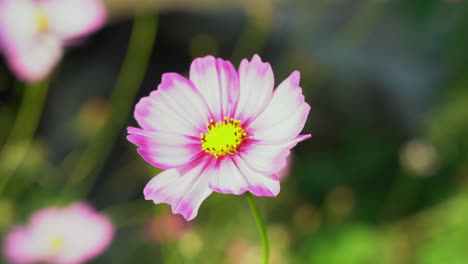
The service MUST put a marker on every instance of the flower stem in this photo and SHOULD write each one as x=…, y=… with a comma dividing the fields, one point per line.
x=19, y=140
x=260, y=225
x=127, y=85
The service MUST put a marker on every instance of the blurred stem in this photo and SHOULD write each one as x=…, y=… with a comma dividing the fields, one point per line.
x=23, y=130
x=260, y=225
x=127, y=85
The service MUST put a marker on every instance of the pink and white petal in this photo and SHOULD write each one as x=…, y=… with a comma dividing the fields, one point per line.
x=16, y=248
x=176, y=107
x=70, y=19
x=17, y=23
x=256, y=82
x=218, y=83
x=285, y=116
x=87, y=234
x=259, y=183
x=44, y=217
x=283, y=173
x=45, y=225
x=225, y=177
x=165, y=150
x=34, y=61
x=269, y=158
x=183, y=188
x=152, y=113
x=266, y=158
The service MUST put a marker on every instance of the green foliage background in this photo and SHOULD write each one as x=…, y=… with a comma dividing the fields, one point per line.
x=382, y=180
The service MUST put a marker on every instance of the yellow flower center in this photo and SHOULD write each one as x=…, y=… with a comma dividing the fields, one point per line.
x=55, y=244
x=41, y=20
x=223, y=137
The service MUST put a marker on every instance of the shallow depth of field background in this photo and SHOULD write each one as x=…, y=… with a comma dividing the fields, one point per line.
x=383, y=179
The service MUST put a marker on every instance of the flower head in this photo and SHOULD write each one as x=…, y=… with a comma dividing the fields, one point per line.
x=70, y=235
x=221, y=130
x=33, y=32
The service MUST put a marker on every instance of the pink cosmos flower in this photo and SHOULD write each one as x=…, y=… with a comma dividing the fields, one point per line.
x=70, y=235
x=33, y=32
x=221, y=130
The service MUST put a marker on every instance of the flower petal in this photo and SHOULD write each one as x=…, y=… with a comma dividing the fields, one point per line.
x=256, y=82
x=258, y=183
x=225, y=177
x=217, y=81
x=16, y=247
x=233, y=175
x=266, y=158
x=33, y=61
x=176, y=107
x=269, y=158
x=164, y=150
x=71, y=19
x=86, y=232
x=17, y=22
x=284, y=117
x=183, y=188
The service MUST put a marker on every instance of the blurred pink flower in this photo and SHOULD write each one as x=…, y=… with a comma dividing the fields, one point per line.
x=70, y=235
x=221, y=130
x=33, y=32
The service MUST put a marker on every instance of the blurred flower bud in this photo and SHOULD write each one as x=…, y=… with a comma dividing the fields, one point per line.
x=190, y=245
x=340, y=203
x=306, y=219
x=167, y=228
x=419, y=157
x=92, y=117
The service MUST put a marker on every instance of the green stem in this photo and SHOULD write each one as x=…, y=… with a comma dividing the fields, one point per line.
x=127, y=85
x=17, y=145
x=260, y=225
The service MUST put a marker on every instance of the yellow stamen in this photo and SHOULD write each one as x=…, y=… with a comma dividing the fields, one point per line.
x=56, y=243
x=223, y=137
x=41, y=20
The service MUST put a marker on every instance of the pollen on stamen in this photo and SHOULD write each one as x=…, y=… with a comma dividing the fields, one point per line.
x=223, y=137
x=41, y=20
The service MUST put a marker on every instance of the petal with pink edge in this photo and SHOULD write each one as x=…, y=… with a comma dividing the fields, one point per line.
x=70, y=19
x=183, y=188
x=265, y=158
x=225, y=177
x=34, y=61
x=165, y=150
x=218, y=83
x=16, y=248
x=88, y=234
x=269, y=158
x=176, y=107
x=256, y=82
x=284, y=117
x=258, y=183
x=17, y=23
